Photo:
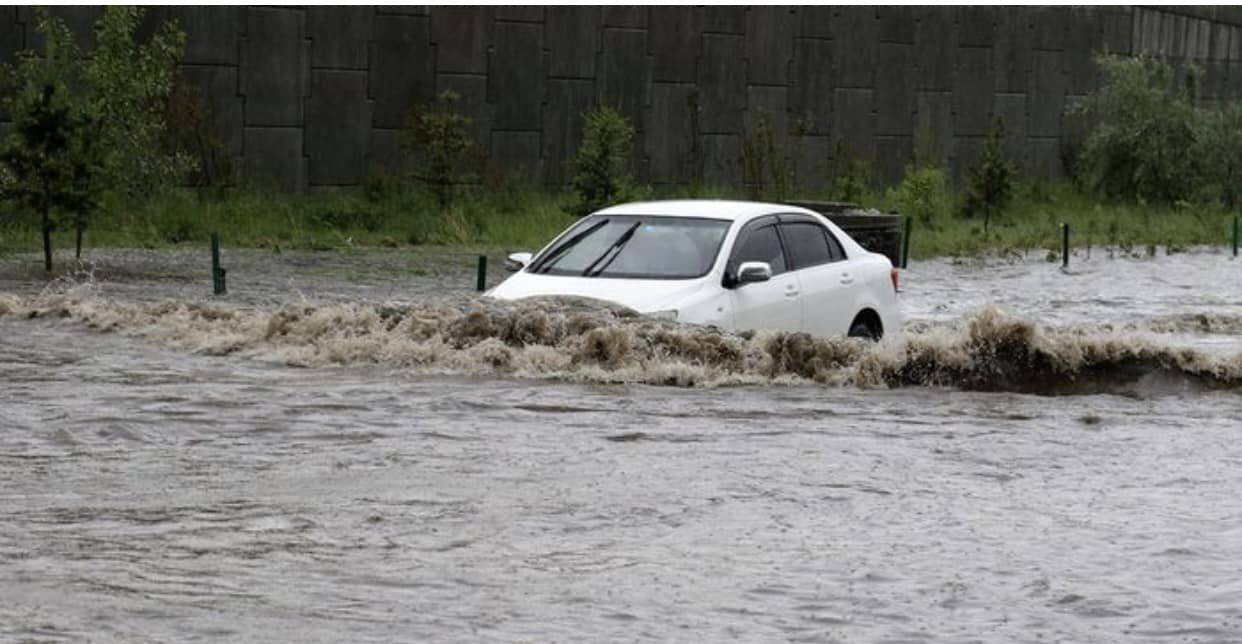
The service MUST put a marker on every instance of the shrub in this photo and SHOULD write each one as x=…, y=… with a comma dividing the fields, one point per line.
x=438, y=136
x=600, y=167
x=923, y=193
x=766, y=168
x=129, y=85
x=1219, y=150
x=989, y=183
x=851, y=176
x=1145, y=125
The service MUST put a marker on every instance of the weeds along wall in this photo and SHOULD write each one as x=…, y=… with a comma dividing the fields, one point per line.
x=311, y=97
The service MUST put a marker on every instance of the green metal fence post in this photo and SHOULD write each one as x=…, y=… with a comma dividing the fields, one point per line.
x=482, y=277
x=905, y=243
x=1064, y=245
x=217, y=273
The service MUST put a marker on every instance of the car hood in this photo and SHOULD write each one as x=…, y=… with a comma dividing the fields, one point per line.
x=644, y=296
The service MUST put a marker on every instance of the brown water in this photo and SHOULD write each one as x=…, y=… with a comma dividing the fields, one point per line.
x=353, y=447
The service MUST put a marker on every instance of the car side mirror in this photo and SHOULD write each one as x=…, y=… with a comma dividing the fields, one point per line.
x=517, y=261
x=753, y=272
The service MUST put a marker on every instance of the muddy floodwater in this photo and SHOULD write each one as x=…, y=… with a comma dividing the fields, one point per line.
x=354, y=447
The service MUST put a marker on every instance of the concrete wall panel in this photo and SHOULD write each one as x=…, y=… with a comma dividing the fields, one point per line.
x=722, y=159
x=773, y=102
x=402, y=73
x=517, y=155
x=568, y=99
x=274, y=158
x=674, y=41
x=669, y=140
x=520, y=13
x=1047, y=93
x=856, y=35
x=1012, y=51
x=625, y=73
x=722, y=84
x=976, y=24
x=892, y=155
x=340, y=36
x=211, y=32
x=812, y=156
x=1011, y=110
x=574, y=42
x=810, y=90
x=933, y=51
x=631, y=16
x=933, y=126
x=216, y=88
x=338, y=123
x=515, y=81
x=724, y=19
x=896, y=24
x=853, y=121
x=894, y=90
x=815, y=21
x=972, y=91
x=769, y=44
x=461, y=35
x=273, y=63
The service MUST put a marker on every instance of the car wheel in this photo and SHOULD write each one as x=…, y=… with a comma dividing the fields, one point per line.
x=862, y=329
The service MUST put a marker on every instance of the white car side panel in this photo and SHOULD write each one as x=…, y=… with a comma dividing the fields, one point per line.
x=774, y=304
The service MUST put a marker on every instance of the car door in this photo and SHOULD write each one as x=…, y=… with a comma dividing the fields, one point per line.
x=828, y=297
x=774, y=304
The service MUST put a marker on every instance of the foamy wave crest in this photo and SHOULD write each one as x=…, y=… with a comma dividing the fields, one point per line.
x=583, y=340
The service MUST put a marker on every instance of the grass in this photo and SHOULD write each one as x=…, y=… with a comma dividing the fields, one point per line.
x=516, y=218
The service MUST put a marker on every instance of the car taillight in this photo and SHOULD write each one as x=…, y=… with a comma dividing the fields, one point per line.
x=893, y=274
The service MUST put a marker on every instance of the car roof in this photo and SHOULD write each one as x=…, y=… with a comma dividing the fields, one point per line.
x=709, y=208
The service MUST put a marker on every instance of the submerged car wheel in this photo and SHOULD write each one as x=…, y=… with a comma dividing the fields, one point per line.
x=864, y=328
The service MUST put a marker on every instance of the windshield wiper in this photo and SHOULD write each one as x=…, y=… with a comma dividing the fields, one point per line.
x=614, y=249
x=543, y=265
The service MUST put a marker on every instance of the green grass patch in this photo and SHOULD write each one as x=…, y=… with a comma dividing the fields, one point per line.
x=526, y=218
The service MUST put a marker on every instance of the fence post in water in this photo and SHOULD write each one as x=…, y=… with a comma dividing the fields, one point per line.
x=905, y=242
x=217, y=273
x=482, y=278
x=1064, y=245
x=1235, y=235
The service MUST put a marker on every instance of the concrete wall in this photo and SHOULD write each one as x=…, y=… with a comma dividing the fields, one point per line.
x=311, y=97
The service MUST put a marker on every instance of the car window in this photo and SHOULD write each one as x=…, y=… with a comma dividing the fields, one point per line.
x=636, y=247
x=762, y=245
x=808, y=245
x=834, y=247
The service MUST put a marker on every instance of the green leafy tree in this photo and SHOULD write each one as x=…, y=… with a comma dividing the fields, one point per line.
x=989, y=183
x=1219, y=150
x=923, y=193
x=129, y=85
x=438, y=136
x=1145, y=126
x=52, y=161
x=600, y=167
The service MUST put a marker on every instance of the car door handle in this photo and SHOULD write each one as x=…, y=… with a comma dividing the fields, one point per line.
x=791, y=291
x=846, y=279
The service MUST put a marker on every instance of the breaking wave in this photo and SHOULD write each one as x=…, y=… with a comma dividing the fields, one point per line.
x=584, y=340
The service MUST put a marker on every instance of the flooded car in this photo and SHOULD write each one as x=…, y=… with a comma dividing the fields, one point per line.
x=732, y=264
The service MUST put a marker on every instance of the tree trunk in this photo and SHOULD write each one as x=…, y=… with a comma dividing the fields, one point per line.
x=78, y=254
x=47, y=242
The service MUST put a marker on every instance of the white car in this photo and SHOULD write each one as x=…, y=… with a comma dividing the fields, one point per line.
x=736, y=265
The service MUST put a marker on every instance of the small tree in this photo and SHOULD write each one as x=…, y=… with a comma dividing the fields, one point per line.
x=600, y=167
x=129, y=85
x=1219, y=150
x=52, y=160
x=989, y=183
x=1145, y=127
x=438, y=136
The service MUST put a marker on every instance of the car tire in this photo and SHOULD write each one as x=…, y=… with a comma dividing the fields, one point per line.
x=861, y=329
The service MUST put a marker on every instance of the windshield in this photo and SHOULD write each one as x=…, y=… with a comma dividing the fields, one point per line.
x=636, y=246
